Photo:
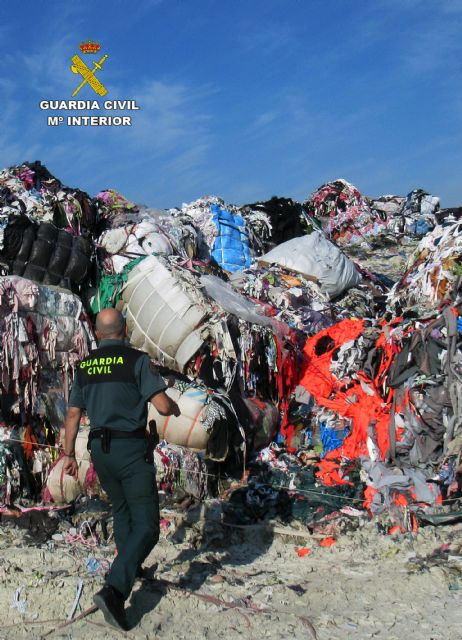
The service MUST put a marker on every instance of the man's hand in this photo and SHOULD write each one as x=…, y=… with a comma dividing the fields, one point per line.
x=70, y=467
x=165, y=405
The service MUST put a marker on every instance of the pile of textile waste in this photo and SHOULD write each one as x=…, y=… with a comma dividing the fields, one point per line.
x=349, y=217
x=324, y=388
x=433, y=273
x=45, y=332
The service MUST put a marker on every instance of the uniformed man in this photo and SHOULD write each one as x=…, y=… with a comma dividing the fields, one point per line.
x=113, y=384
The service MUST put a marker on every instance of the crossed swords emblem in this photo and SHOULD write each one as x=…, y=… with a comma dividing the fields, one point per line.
x=79, y=66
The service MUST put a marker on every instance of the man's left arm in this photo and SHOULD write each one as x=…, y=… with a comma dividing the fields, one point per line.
x=71, y=428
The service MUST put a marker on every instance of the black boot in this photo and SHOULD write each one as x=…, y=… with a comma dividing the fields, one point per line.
x=111, y=603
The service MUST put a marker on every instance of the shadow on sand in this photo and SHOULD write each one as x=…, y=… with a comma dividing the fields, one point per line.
x=227, y=547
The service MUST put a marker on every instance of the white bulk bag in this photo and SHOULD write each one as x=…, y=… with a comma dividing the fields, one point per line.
x=162, y=318
x=314, y=256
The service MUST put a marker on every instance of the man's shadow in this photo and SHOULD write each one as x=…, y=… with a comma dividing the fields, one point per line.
x=241, y=548
x=221, y=546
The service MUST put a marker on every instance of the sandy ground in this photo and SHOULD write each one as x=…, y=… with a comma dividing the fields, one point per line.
x=212, y=581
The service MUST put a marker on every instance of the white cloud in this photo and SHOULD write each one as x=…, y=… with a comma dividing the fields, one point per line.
x=265, y=37
x=171, y=117
x=265, y=118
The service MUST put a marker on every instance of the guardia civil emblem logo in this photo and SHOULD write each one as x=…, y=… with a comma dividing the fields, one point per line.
x=79, y=67
x=89, y=73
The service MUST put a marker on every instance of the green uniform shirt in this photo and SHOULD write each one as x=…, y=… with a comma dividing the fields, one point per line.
x=114, y=383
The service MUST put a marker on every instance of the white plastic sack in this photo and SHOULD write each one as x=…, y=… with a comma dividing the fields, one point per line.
x=233, y=302
x=314, y=256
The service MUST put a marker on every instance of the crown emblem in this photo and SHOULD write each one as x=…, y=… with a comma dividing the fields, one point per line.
x=90, y=47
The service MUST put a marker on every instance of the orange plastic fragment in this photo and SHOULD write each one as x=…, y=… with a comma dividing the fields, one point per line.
x=396, y=529
x=327, y=542
x=302, y=551
x=400, y=500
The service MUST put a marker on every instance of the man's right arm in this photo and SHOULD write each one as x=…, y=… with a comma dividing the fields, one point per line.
x=165, y=405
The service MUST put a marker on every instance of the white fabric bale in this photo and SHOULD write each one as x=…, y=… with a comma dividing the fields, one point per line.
x=185, y=430
x=140, y=239
x=314, y=256
x=156, y=243
x=119, y=262
x=81, y=451
x=82, y=470
x=62, y=487
x=113, y=240
x=162, y=318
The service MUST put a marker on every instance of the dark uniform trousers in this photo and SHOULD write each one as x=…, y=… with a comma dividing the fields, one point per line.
x=131, y=486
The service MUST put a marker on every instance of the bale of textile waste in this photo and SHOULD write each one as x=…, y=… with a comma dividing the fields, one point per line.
x=124, y=244
x=348, y=212
x=162, y=318
x=433, y=272
x=186, y=430
x=110, y=287
x=30, y=190
x=285, y=218
x=114, y=210
x=396, y=387
x=353, y=217
x=387, y=207
x=266, y=418
x=178, y=228
x=314, y=256
x=199, y=214
x=203, y=423
x=62, y=488
x=297, y=301
x=58, y=317
x=231, y=249
x=418, y=213
x=43, y=328
x=223, y=233
x=46, y=254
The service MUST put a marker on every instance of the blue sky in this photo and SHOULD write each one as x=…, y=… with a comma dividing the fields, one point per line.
x=242, y=98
